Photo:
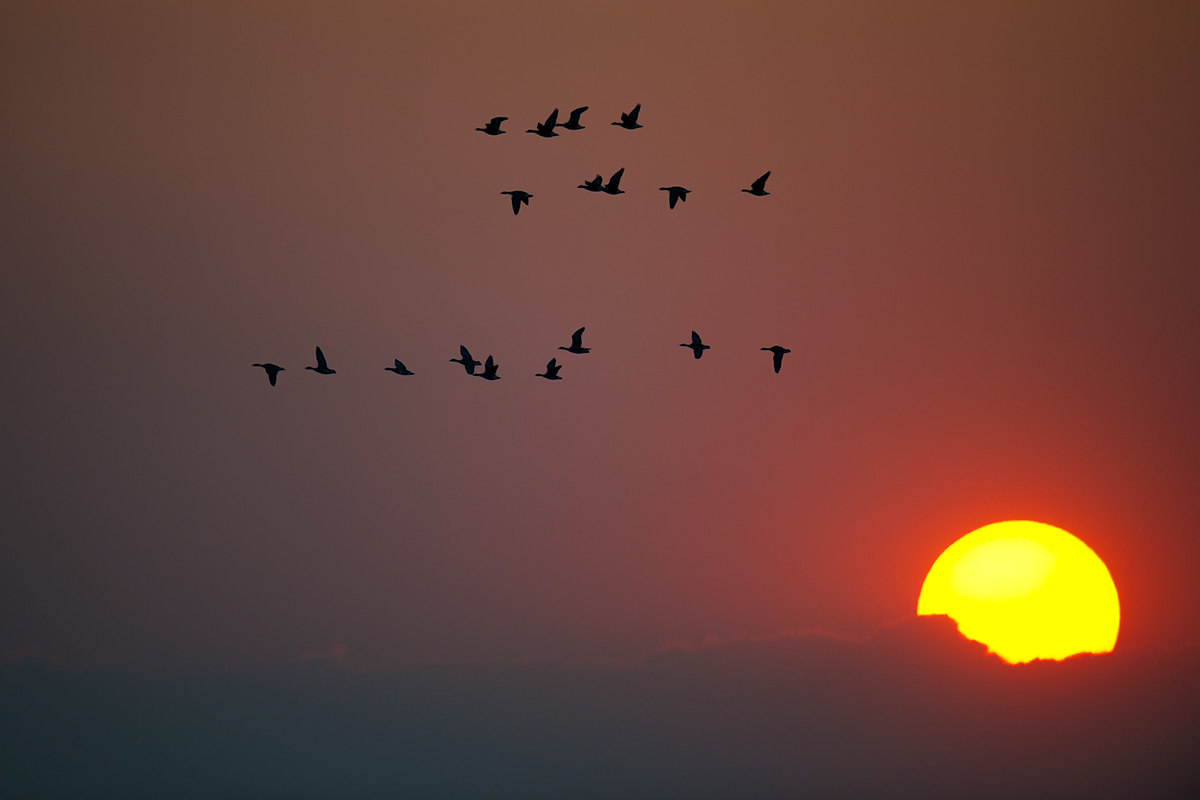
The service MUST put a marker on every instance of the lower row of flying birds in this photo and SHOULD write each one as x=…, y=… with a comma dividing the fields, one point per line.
x=490, y=367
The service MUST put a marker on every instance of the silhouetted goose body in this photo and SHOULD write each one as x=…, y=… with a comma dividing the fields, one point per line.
x=551, y=373
x=577, y=343
x=629, y=121
x=518, y=197
x=698, y=347
x=273, y=370
x=594, y=185
x=572, y=123
x=489, y=370
x=546, y=129
x=399, y=369
x=677, y=193
x=492, y=128
x=469, y=364
x=614, y=183
x=322, y=367
x=758, y=188
x=777, y=352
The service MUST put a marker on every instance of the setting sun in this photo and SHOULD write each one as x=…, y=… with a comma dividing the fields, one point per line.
x=1026, y=590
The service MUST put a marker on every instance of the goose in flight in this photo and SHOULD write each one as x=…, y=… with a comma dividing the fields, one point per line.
x=572, y=124
x=518, y=197
x=551, y=373
x=273, y=370
x=758, y=188
x=594, y=185
x=546, y=129
x=613, y=183
x=698, y=347
x=493, y=126
x=577, y=343
x=489, y=370
x=469, y=364
x=322, y=367
x=399, y=369
x=777, y=352
x=677, y=193
x=629, y=121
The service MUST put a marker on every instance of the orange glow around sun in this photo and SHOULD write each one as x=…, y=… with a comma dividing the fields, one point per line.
x=1027, y=591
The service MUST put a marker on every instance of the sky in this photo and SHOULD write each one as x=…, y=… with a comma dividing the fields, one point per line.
x=980, y=246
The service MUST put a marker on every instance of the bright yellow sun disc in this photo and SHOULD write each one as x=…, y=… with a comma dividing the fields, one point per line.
x=1026, y=590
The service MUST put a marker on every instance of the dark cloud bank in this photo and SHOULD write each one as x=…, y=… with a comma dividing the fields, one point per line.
x=914, y=711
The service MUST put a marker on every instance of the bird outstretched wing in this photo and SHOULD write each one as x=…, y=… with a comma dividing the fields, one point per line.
x=552, y=120
x=615, y=181
x=321, y=360
x=576, y=340
x=761, y=184
x=696, y=338
x=633, y=115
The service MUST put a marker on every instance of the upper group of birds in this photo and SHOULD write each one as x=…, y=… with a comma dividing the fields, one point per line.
x=490, y=367
x=546, y=130
x=628, y=121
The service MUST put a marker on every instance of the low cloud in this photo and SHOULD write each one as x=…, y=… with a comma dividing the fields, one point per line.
x=913, y=711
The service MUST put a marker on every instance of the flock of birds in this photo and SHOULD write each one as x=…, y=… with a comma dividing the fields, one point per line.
x=628, y=121
x=490, y=367
x=546, y=130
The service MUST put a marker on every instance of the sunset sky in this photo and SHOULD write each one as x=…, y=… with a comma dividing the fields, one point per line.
x=982, y=246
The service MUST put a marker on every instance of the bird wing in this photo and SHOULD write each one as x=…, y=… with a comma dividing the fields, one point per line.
x=577, y=338
x=633, y=115
x=674, y=198
x=552, y=120
x=516, y=203
x=696, y=338
x=761, y=183
x=272, y=375
x=778, y=359
x=497, y=120
x=576, y=114
x=615, y=180
x=550, y=365
x=321, y=360
x=465, y=353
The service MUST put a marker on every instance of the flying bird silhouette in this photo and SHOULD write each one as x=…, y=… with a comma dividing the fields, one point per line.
x=698, y=347
x=399, y=369
x=322, y=367
x=546, y=129
x=758, y=187
x=492, y=128
x=613, y=183
x=551, y=373
x=572, y=124
x=489, y=370
x=677, y=193
x=594, y=185
x=577, y=343
x=778, y=352
x=469, y=364
x=629, y=121
x=273, y=370
x=518, y=197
